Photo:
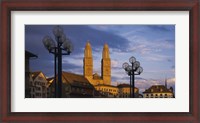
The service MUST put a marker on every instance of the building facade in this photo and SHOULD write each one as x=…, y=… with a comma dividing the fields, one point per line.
x=158, y=91
x=124, y=91
x=28, y=56
x=73, y=86
x=107, y=90
x=76, y=86
x=38, y=85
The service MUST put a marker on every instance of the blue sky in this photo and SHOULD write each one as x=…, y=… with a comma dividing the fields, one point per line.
x=152, y=45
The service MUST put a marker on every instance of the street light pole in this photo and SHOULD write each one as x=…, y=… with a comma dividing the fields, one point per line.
x=63, y=44
x=59, y=70
x=55, y=72
x=132, y=70
x=133, y=81
x=130, y=85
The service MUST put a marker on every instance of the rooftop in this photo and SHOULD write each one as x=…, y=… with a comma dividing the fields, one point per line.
x=157, y=89
x=76, y=80
x=29, y=54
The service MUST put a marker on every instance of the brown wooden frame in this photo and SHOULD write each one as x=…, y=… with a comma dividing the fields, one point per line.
x=193, y=116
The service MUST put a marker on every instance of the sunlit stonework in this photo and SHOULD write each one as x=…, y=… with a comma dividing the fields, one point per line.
x=94, y=78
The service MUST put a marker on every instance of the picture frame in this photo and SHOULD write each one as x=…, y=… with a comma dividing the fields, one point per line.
x=105, y=5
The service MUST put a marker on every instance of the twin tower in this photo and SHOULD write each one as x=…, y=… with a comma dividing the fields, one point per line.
x=95, y=79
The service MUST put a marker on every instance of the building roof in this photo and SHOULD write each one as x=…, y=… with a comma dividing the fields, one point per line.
x=29, y=54
x=50, y=80
x=106, y=85
x=77, y=80
x=35, y=74
x=124, y=86
x=157, y=89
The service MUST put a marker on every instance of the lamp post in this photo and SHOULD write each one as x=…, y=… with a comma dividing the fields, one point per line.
x=132, y=70
x=63, y=44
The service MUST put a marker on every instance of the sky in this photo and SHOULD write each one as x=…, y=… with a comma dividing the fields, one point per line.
x=152, y=45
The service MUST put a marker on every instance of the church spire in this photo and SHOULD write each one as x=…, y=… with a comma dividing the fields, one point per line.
x=106, y=65
x=88, y=61
x=88, y=50
x=105, y=53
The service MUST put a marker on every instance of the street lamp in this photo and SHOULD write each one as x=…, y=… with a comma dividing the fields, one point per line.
x=63, y=44
x=132, y=70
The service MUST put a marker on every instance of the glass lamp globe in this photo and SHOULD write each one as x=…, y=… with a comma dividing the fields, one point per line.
x=125, y=65
x=136, y=65
x=48, y=43
x=132, y=59
x=62, y=38
x=139, y=70
x=57, y=31
x=67, y=46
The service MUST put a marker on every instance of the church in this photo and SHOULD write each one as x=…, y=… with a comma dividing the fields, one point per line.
x=102, y=83
x=95, y=79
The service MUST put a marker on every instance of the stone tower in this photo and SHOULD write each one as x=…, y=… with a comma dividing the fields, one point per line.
x=106, y=65
x=88, y=62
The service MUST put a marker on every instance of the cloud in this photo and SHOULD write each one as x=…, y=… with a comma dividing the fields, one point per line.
x=151, y=46
x=162, y=27
x=158, y=57
x=79, y=34
x=114, y=64
x=143, y=46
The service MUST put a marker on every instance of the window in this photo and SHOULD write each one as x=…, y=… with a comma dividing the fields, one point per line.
x=38, y=94
x=38, y=88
